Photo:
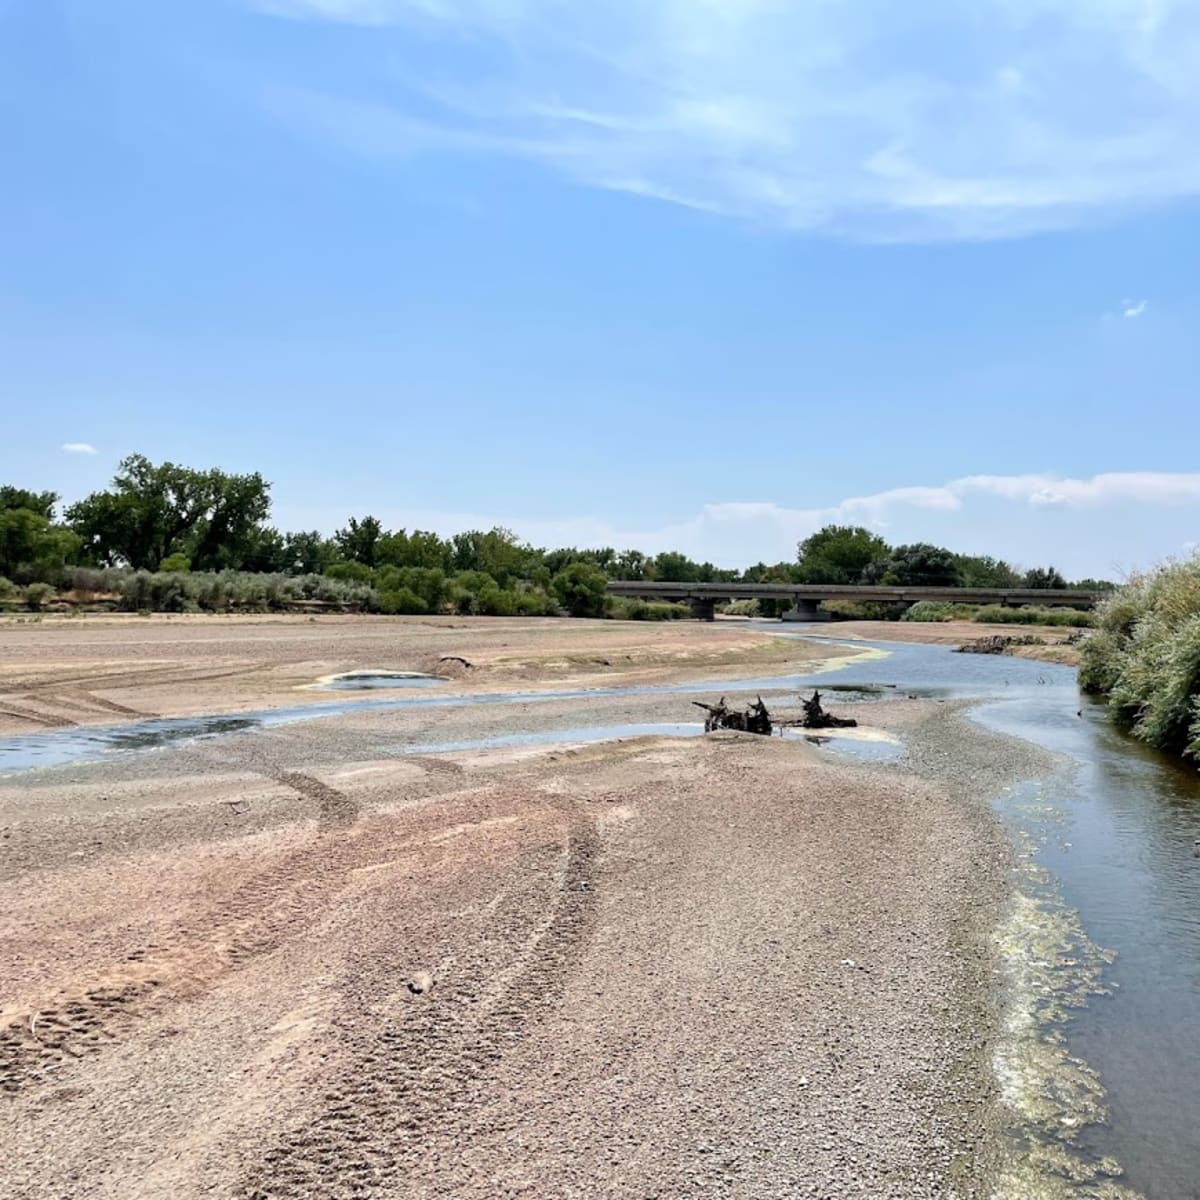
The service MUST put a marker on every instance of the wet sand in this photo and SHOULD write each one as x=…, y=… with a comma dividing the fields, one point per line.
x=285, y=964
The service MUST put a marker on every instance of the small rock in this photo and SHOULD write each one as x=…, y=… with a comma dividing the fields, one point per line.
x=421, y=982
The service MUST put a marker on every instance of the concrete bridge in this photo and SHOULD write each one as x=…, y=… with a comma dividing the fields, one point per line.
x=804, y=597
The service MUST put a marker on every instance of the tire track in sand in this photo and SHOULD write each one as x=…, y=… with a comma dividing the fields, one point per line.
x=415, y=1066
x=254, y=918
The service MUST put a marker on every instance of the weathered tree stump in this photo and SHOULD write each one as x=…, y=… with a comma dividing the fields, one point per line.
x=815, y=717
x=756, y=719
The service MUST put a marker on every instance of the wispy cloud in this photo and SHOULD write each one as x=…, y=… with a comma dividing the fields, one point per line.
x=79, y=448
x=1132, y=309
x=875, y=120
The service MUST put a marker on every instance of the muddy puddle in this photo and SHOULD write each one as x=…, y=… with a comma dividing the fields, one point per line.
x=372, y=681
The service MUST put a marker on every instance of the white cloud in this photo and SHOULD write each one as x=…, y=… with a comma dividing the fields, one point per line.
x=79, y=448
x=875, y=120
x=1134, y=310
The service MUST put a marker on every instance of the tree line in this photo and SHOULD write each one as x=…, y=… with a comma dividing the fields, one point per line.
x=167, y=519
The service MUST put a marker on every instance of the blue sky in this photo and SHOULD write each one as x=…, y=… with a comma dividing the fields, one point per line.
x=698, y=274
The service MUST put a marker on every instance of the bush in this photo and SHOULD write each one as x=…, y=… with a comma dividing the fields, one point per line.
x=1145, y=656
x=402, y=600
x=939, y=610
x=998, y=614
x=743, y=608
x=350, y=572
x=8, y=589
x=36, y=595
x=623, y=609
x=175, y=562
x=582, y=589
x=863, y=610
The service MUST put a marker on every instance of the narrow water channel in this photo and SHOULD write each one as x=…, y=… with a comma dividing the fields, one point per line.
x=1101, y=1058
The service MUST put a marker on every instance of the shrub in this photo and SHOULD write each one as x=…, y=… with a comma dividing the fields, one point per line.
x=402, y=600
x=8, y=589
x=175, y=562
x=623, y=609
x=863, y=610
x=582, y=588
x=743, y=608
x=36, y=595
x=350, y=572
x=939, y=610
x=1145, y=656
x=998, y=614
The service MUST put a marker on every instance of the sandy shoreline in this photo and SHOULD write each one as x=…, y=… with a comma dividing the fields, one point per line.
x=657, y=965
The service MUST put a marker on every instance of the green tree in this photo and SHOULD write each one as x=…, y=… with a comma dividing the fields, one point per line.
x=32, y=548
x=630, y=564
x=840, y=554
x=307, y=553
x=153, y=511
x=921, y=565
x=359, y=541
x=982, y=571
x=1043, y=577
x=582, y=590
x=672, y=567
x=496, y=553
x=41, y=503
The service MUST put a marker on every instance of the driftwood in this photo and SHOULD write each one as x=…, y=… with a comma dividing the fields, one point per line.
x=756, y=719
x=997, y=644
x=815, y=717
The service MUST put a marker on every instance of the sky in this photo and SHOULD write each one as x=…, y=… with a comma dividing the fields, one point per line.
x=693, y=274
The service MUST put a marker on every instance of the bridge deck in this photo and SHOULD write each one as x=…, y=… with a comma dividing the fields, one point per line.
x=814, y=593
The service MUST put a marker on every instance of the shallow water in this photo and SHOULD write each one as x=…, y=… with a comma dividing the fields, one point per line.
x=857, y=748
x=367, y=681
x=1115, y=836
x=61, y=747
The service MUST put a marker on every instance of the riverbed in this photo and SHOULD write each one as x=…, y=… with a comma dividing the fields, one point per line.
x=1097, y=948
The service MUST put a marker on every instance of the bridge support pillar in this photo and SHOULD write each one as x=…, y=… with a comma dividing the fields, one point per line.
x=806, y=610
x=703, y=610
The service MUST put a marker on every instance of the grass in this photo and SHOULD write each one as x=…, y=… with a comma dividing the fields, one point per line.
x=998, y=614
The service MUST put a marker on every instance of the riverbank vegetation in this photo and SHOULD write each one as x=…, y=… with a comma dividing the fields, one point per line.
x=170, y=538
x=1145, y=657
x=997, y=614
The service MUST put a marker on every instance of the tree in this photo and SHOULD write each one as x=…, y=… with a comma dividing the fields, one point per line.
x=154, y=511
x=982, y=571
x=672, y=567
x=1043, y=577
x=307, y=553
x=582, y=589
x=921, y=565
x=32, y=548
x=359, y=541
x=40, y=503
x=630, y=564
x=496, y=553
x=839, y=554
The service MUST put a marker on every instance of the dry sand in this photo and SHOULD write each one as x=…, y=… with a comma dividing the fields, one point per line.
x=285, y=965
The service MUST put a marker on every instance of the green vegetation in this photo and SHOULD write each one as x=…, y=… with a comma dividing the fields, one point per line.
x=940, y=610
x=997, y=614
x=624, y=609
x=170, y=538
x=1145, y=657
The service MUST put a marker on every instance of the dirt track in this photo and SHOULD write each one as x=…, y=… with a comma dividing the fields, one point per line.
x=284, y=968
